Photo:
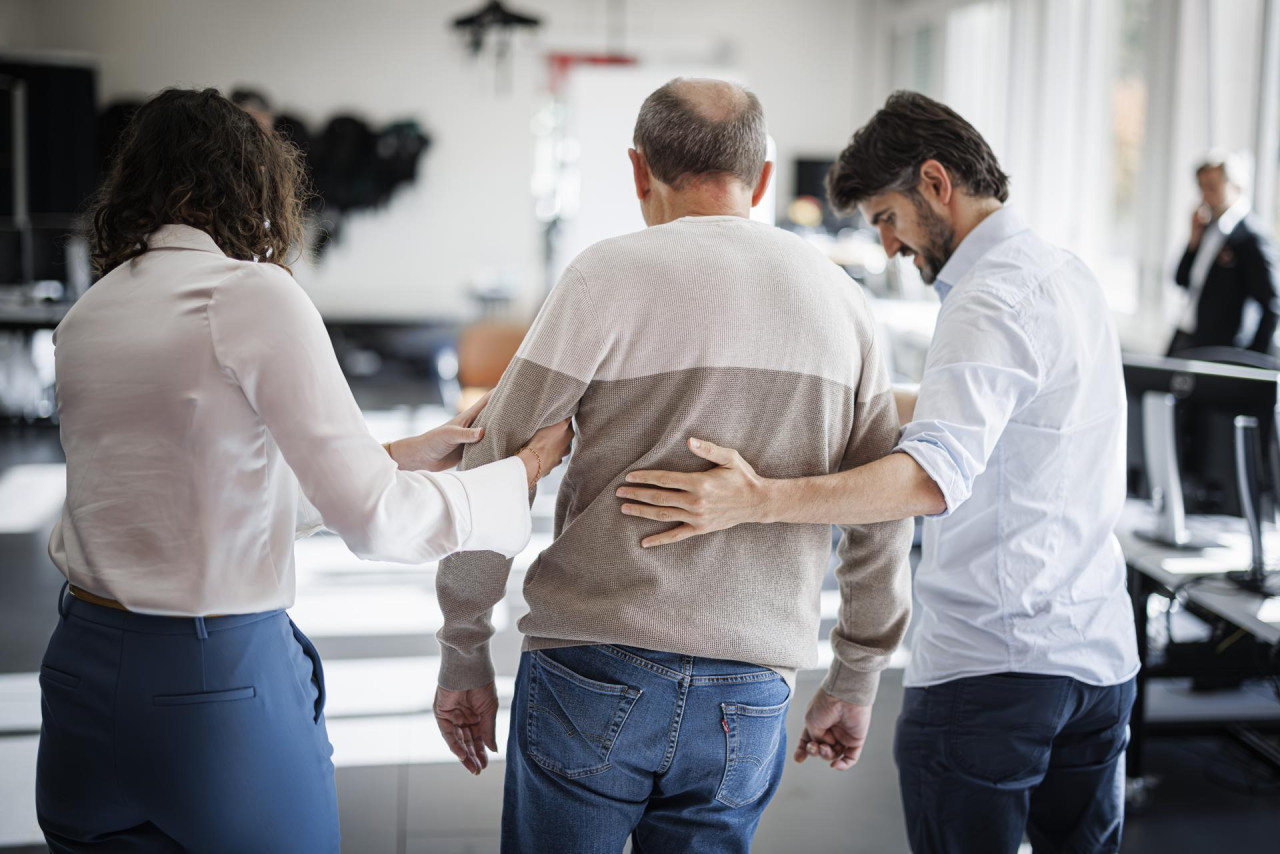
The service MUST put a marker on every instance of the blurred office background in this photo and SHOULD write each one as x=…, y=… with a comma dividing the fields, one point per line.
x=460, y=169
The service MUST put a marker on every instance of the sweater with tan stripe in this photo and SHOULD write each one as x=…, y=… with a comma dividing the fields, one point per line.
x=731, y=331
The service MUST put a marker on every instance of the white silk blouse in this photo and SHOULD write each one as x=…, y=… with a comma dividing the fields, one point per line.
x=206, y=422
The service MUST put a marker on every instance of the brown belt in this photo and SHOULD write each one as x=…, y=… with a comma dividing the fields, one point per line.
x=93, y=599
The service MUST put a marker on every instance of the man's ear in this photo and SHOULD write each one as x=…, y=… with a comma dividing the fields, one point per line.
x=936, y=181
x=766, y=174
x=640, y=172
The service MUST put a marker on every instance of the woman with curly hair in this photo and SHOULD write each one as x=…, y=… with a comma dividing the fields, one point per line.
x=206, y=422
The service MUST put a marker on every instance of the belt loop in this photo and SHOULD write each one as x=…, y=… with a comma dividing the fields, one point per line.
x=62, y=595
x=201, y=632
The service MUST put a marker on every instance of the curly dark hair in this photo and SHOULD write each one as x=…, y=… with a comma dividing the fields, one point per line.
x=193, y=158
x=886, y=153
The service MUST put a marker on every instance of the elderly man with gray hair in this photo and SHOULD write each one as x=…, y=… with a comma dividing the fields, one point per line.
x=652, y=692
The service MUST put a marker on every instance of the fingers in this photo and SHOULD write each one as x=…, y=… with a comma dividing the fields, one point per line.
x=666, y=538
x=658, y=514
x=847, y=759
x=469, y=746
x=665, y=479
x=718, y=455
x=477, y=735
x=468, y=415
x=802, y=747
x=453, y=737
x=657, y=497
x=491, y=732
x=462, y=435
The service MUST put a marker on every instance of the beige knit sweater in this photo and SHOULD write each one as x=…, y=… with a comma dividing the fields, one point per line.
x=727, y=330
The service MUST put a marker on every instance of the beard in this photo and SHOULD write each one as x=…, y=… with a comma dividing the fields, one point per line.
x=939, y=240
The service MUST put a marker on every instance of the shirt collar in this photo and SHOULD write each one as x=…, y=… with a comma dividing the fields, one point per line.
x=1231, y=216
x=995, y=229
x=176, y=236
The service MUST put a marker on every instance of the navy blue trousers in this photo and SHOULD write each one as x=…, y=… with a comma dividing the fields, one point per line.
x=983, y=759
x=183, y=734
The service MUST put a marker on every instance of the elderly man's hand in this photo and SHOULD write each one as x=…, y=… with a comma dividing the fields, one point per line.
x=834, y=731
x=468, y=722
x=727, y=495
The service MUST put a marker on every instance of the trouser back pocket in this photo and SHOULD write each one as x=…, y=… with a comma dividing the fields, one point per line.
x=753, y=736
x=572, y=721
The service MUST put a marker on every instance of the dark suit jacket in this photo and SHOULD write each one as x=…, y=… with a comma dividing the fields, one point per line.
x=1247, y=268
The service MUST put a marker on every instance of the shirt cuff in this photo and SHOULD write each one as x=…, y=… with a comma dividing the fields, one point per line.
x=940, y=468
x=461, y=671
x=497, y=497
x=852, y=686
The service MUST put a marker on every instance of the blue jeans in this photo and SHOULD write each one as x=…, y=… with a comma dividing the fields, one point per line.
x=983, y=759
x=679, y=753
x=168, y=734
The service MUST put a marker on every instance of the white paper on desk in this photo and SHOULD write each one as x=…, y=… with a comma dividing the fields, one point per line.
x=1270, y=611
x=1213, y=560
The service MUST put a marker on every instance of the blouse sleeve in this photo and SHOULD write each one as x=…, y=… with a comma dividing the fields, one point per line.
x=270, y=341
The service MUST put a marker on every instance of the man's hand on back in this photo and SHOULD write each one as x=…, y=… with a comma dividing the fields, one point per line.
x=834, y=731
x=727, y=495
x=468, y=721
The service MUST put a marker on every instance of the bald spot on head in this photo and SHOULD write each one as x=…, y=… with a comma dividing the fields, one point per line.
x=713, y=100
x=695, y=129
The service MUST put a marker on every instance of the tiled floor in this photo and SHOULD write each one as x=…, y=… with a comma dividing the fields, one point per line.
x=401, y=792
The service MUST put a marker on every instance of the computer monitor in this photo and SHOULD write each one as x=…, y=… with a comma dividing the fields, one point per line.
x=1186, y=450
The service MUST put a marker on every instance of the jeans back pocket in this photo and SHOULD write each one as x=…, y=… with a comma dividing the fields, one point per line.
x=573, y=721
x=753, y=737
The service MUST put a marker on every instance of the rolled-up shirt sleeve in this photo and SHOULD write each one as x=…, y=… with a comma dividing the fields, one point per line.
x=270, y=340
x=982, y=367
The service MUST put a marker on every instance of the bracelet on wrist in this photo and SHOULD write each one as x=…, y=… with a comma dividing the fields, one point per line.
x=538, y=459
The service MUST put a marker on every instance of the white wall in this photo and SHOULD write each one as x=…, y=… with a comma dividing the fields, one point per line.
x=471, y=214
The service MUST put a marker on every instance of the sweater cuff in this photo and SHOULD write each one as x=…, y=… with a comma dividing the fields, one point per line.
x=852, y=686
x=461, y=671
x=498, y=501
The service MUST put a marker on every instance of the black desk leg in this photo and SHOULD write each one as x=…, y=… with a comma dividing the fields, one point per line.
x=1139, y=593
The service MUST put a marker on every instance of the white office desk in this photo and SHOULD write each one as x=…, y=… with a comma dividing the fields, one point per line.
x=1158, y=570
x=1169, y=567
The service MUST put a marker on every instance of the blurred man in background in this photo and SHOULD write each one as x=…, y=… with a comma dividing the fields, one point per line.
x=1229, y=268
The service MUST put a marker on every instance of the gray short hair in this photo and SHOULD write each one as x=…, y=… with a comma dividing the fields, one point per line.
x=680, y=142
x=1235, y=166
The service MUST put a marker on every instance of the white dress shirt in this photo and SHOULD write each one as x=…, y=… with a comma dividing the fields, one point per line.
x=1211, y=243
x=205, y=421
x=1021, y=423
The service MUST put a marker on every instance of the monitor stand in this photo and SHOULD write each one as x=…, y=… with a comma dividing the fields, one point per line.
x=1248, y=467
x=1160, y=450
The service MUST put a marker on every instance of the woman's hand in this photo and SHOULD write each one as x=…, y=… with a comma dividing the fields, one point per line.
x=545, y=450
x=441, y=448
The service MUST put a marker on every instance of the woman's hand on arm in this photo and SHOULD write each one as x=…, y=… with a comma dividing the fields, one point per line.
x=441, y=448
x=545, y=450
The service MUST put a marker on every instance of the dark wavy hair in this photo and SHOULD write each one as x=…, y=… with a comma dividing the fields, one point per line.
x=886, y=153
x=193, y=158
